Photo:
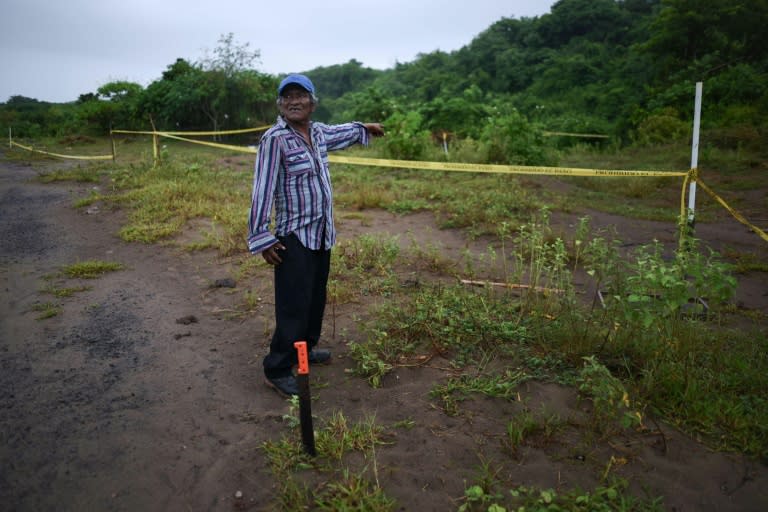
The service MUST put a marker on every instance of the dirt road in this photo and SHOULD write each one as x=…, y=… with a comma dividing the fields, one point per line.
x=114, y=404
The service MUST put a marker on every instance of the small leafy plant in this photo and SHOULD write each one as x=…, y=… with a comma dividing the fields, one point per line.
x=610, y=399
x=90, y=269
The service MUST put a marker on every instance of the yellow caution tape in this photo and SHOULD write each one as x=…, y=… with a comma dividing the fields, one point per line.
x=692, y=174
x=683, y=210
x=72, y=157
x=502, y=169
x=569, y=134
x=739, y=217
x=220, y=132
x=242, y=149
x=134, y=132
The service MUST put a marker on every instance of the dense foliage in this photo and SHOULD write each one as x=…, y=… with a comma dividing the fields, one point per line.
x=623, y=68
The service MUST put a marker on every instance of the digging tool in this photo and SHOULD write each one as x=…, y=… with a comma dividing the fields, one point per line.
x=305, y=399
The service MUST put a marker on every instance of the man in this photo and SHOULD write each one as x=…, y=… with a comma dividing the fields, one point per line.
x=292, y=173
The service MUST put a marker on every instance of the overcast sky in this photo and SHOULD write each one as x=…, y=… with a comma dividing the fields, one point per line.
x=56, y=50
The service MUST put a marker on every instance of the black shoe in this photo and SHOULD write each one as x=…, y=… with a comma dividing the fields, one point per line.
x=319, y=356
x=285, y=386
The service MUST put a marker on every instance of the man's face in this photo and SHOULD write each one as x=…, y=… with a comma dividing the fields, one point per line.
x=296, y=105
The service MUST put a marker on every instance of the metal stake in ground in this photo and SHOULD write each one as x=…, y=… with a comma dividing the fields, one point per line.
x=305, y=399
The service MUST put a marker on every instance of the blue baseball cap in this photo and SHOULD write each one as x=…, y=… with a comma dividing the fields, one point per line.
x=301, y=80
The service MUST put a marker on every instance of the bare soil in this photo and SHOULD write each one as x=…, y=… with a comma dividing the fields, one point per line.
x=145, y=392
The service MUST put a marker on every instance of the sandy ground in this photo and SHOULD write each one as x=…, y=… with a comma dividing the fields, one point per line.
x=145, y=393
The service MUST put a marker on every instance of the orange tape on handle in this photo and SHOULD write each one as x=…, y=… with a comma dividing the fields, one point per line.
x=301, y=347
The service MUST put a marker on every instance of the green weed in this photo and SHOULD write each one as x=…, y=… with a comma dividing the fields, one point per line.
x=372, y=357
x=525, y=426
x=164, y=198
x=353, y=492
x=63, y=292
x=499, y=385
x=363, y=266
x=608, y=498
x=46, y=310
x=341, y=487
x=610, y=400
x=90, y=269
x=88, y=174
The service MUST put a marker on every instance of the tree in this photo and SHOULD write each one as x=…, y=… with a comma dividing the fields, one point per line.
x=511, y=139
x=371, y=104
x=86, y=97
x=119, y=91
x=178, y=69
x=228, y=89
x=596, y=20
x=726, y=31
x=229, y=57
x=499, y=57
x=461, y=115
x=334, y=81
x=173, y=101
x=116, y=106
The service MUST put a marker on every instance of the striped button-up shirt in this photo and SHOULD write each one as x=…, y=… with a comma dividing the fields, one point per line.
x=295, y=178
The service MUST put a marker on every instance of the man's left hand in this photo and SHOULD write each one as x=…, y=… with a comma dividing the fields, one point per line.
x=375, y=129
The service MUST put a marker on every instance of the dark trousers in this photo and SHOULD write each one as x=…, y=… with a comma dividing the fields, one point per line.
x=300, y=294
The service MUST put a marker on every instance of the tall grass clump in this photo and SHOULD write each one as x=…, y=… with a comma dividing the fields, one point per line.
x=462, y=324
x=165, y=197
x=655, y=322
x=339, y=487
x=363, y=266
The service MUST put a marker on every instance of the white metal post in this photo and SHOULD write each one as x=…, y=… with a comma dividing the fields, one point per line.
x=694, y=155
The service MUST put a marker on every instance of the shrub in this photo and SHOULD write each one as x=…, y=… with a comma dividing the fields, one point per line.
x=511, y=139
x=406, y=140
x=663, y=127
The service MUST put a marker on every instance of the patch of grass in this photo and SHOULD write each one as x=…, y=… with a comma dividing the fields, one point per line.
x=356, y=191
x=353, y=492
x=614, y=203
x=90, y=174
x=610, y=400
x=363, y=218
x=613, y=497
x=46, y=310
x=90, y=269
x=406, y=424
x=648, y=335
x=651, y=198
x=431, y=257
x=63, y=292
x=524, y=427
x=466, y=325
x=362, y=266
x=661, y=157
x=164, y=198
x=340, y=436
x=713, y=384
x=372, y=255
x=476, y=202
x=341, y=488
x=370, y=360
x=493, y=385
x=744, y=262
x=462, y=323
